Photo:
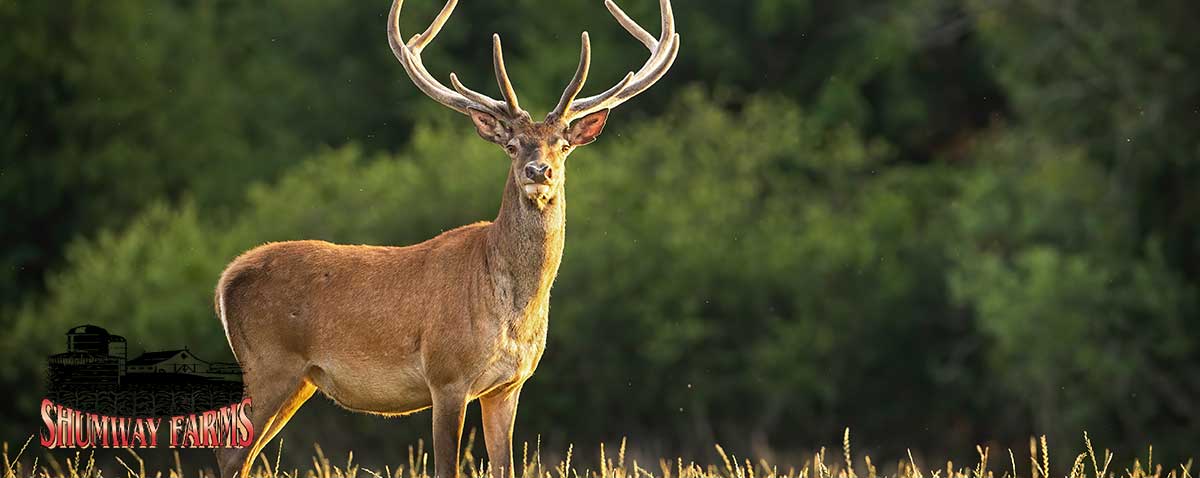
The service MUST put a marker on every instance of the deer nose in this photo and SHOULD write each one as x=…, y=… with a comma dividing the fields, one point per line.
x=538, y=172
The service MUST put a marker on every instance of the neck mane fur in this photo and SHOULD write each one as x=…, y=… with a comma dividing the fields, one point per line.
x=524, y=249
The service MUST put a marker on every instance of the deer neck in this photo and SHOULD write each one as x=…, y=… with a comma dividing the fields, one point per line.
x=525, y=248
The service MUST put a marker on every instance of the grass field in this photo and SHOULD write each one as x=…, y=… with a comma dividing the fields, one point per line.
x=825, y=463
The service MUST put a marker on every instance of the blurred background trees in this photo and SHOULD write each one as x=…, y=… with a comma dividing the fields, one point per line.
x=937, y=222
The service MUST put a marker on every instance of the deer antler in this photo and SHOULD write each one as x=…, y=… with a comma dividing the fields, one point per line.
x=663, y=51
x=461, y=98
x=662, y=54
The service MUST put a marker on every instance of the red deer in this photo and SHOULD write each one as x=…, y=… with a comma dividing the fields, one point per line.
x=462, y=316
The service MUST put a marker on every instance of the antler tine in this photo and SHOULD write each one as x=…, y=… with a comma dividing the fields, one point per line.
x=460, y=99
x=576, y=84
x=475, y=95
x=598, y=102
x=631, y=26
x=668, y=18
x=417, y=43
x=663, y=53
x=506, y=88
x=655, y=45
x=632, y=85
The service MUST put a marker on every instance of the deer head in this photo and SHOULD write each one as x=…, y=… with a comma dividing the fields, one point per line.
x=538, y=149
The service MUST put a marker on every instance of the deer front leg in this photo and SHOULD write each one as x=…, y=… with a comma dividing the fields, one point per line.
x=499, y=411
x=448, y=411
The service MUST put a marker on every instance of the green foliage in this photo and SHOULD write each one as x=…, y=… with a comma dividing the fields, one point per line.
x=1079, y=310
x=109, y=106
x=164, y=264
x=782, y=207
x=1117, y=79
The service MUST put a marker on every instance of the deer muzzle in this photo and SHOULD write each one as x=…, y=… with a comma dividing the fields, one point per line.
x=539, y=179
x=539, y=173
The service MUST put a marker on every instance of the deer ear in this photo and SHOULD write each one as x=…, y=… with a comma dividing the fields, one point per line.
x=488, y=126
x=586, y=129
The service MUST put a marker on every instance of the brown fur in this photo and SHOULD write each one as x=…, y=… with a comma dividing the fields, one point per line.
x=394, y=330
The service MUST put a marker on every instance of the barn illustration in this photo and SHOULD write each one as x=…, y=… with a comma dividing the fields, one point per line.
x=96, y=374
x=96, y=357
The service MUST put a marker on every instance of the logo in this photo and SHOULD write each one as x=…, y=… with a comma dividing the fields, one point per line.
x=98, y=398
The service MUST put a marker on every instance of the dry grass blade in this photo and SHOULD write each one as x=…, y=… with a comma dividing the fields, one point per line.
x=127, y=468
x=846, y=453
x=12, y=467
x=1077, y=468
x=981, y=468
x=1045, y=458
x=603, y=461
x=725, y=458
x=915, y=471
x=621, y=455
x=623, y=466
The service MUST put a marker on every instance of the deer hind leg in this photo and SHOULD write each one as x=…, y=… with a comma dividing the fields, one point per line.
x=273, y=405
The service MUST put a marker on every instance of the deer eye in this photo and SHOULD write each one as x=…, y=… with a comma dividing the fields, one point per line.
x=511, y=148
x=566, y=148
